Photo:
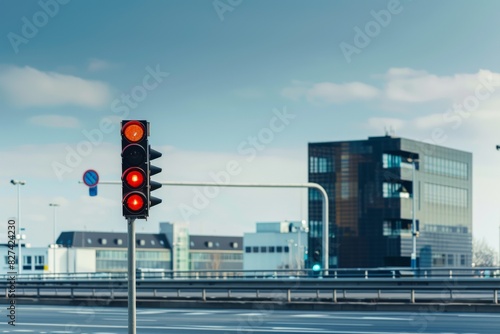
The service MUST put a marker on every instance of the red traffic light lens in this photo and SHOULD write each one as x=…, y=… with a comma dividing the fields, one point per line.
x=134, y=131
x=134, y=178
x=134, y=202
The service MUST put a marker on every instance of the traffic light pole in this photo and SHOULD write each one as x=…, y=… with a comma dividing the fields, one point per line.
x=131, y=276
x=264, y=185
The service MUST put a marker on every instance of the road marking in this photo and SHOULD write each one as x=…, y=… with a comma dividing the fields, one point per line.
x=479, y=315
x=386, y=318
x=249, y=314
x=301, y=329
x=317, y=323
x=310, y=315
x=347, y=317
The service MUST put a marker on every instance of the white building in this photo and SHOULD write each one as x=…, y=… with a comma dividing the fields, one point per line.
x=35, y=259
x=275, y=246
x=178, y=236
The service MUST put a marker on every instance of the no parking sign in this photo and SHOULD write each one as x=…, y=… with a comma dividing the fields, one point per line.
x=91, y=179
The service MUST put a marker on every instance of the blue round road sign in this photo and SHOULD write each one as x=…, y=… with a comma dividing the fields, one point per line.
x=91, y=178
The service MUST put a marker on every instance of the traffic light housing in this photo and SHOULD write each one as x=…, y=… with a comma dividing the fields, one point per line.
x=137, y=170
x=153, y=170
x=316, y=265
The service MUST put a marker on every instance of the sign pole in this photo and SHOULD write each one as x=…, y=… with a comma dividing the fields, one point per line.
x=131, y=276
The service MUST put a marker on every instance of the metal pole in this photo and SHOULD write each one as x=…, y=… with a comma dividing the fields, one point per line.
x=413, y=225
x=299, y=254
x=54, y=250
x=131, y=276
x=264, y=185
x=54, y=205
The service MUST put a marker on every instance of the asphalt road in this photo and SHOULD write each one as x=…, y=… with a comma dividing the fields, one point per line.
x=110, y=320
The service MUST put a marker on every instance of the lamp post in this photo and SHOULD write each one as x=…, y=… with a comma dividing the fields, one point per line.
x=413, y=219
x=54, y=205
x=19, y=183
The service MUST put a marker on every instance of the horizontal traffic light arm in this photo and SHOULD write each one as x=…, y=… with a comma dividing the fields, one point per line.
x=264, y=185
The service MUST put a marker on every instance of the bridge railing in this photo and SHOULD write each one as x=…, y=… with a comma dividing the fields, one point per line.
x=442, y=290
x=366, y=273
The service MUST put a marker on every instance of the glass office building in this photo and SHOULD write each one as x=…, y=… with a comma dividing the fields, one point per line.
x=372, y=189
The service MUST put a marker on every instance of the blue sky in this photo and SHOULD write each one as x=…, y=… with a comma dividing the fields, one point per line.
x=225, y=69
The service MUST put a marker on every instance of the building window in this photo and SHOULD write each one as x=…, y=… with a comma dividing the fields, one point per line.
x=248, y=249
x=39, y=262
x=396, y=227
x=462, y=260
x=287, y=249
x=27, y=262
x=118, y=242
x=209, y=244
x=446, y=167
x=451, y=261
x=344, y=190
x=394, y=190
x=279, y=249
x=103, y=241
x=446, y=195
x=271, y=249
x=263, y=249
x=320, y=165
x=438, y=260
x=234, y=245
x=255, y=249
x=89, y=241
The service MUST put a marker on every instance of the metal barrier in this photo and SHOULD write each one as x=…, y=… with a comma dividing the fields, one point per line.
x=366, y=273
x=410, y=290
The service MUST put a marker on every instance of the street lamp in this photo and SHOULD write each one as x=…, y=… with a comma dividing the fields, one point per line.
x=19, y=255
x=413, y=209
x=54, y=205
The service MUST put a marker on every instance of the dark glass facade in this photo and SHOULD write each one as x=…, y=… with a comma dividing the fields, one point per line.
x=371, y=188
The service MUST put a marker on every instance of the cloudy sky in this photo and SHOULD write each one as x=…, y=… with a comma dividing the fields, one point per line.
x=223, y=81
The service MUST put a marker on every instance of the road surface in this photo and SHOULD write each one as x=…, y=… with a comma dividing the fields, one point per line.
x=111, y=320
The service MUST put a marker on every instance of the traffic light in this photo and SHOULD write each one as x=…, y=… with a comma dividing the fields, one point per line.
x=136, y=170
x=316, y=261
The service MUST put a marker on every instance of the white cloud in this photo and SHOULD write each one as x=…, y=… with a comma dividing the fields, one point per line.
x=55, y=121
x=96, y=65
x=330, y=93
x=29, y=87
x=407, y=85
